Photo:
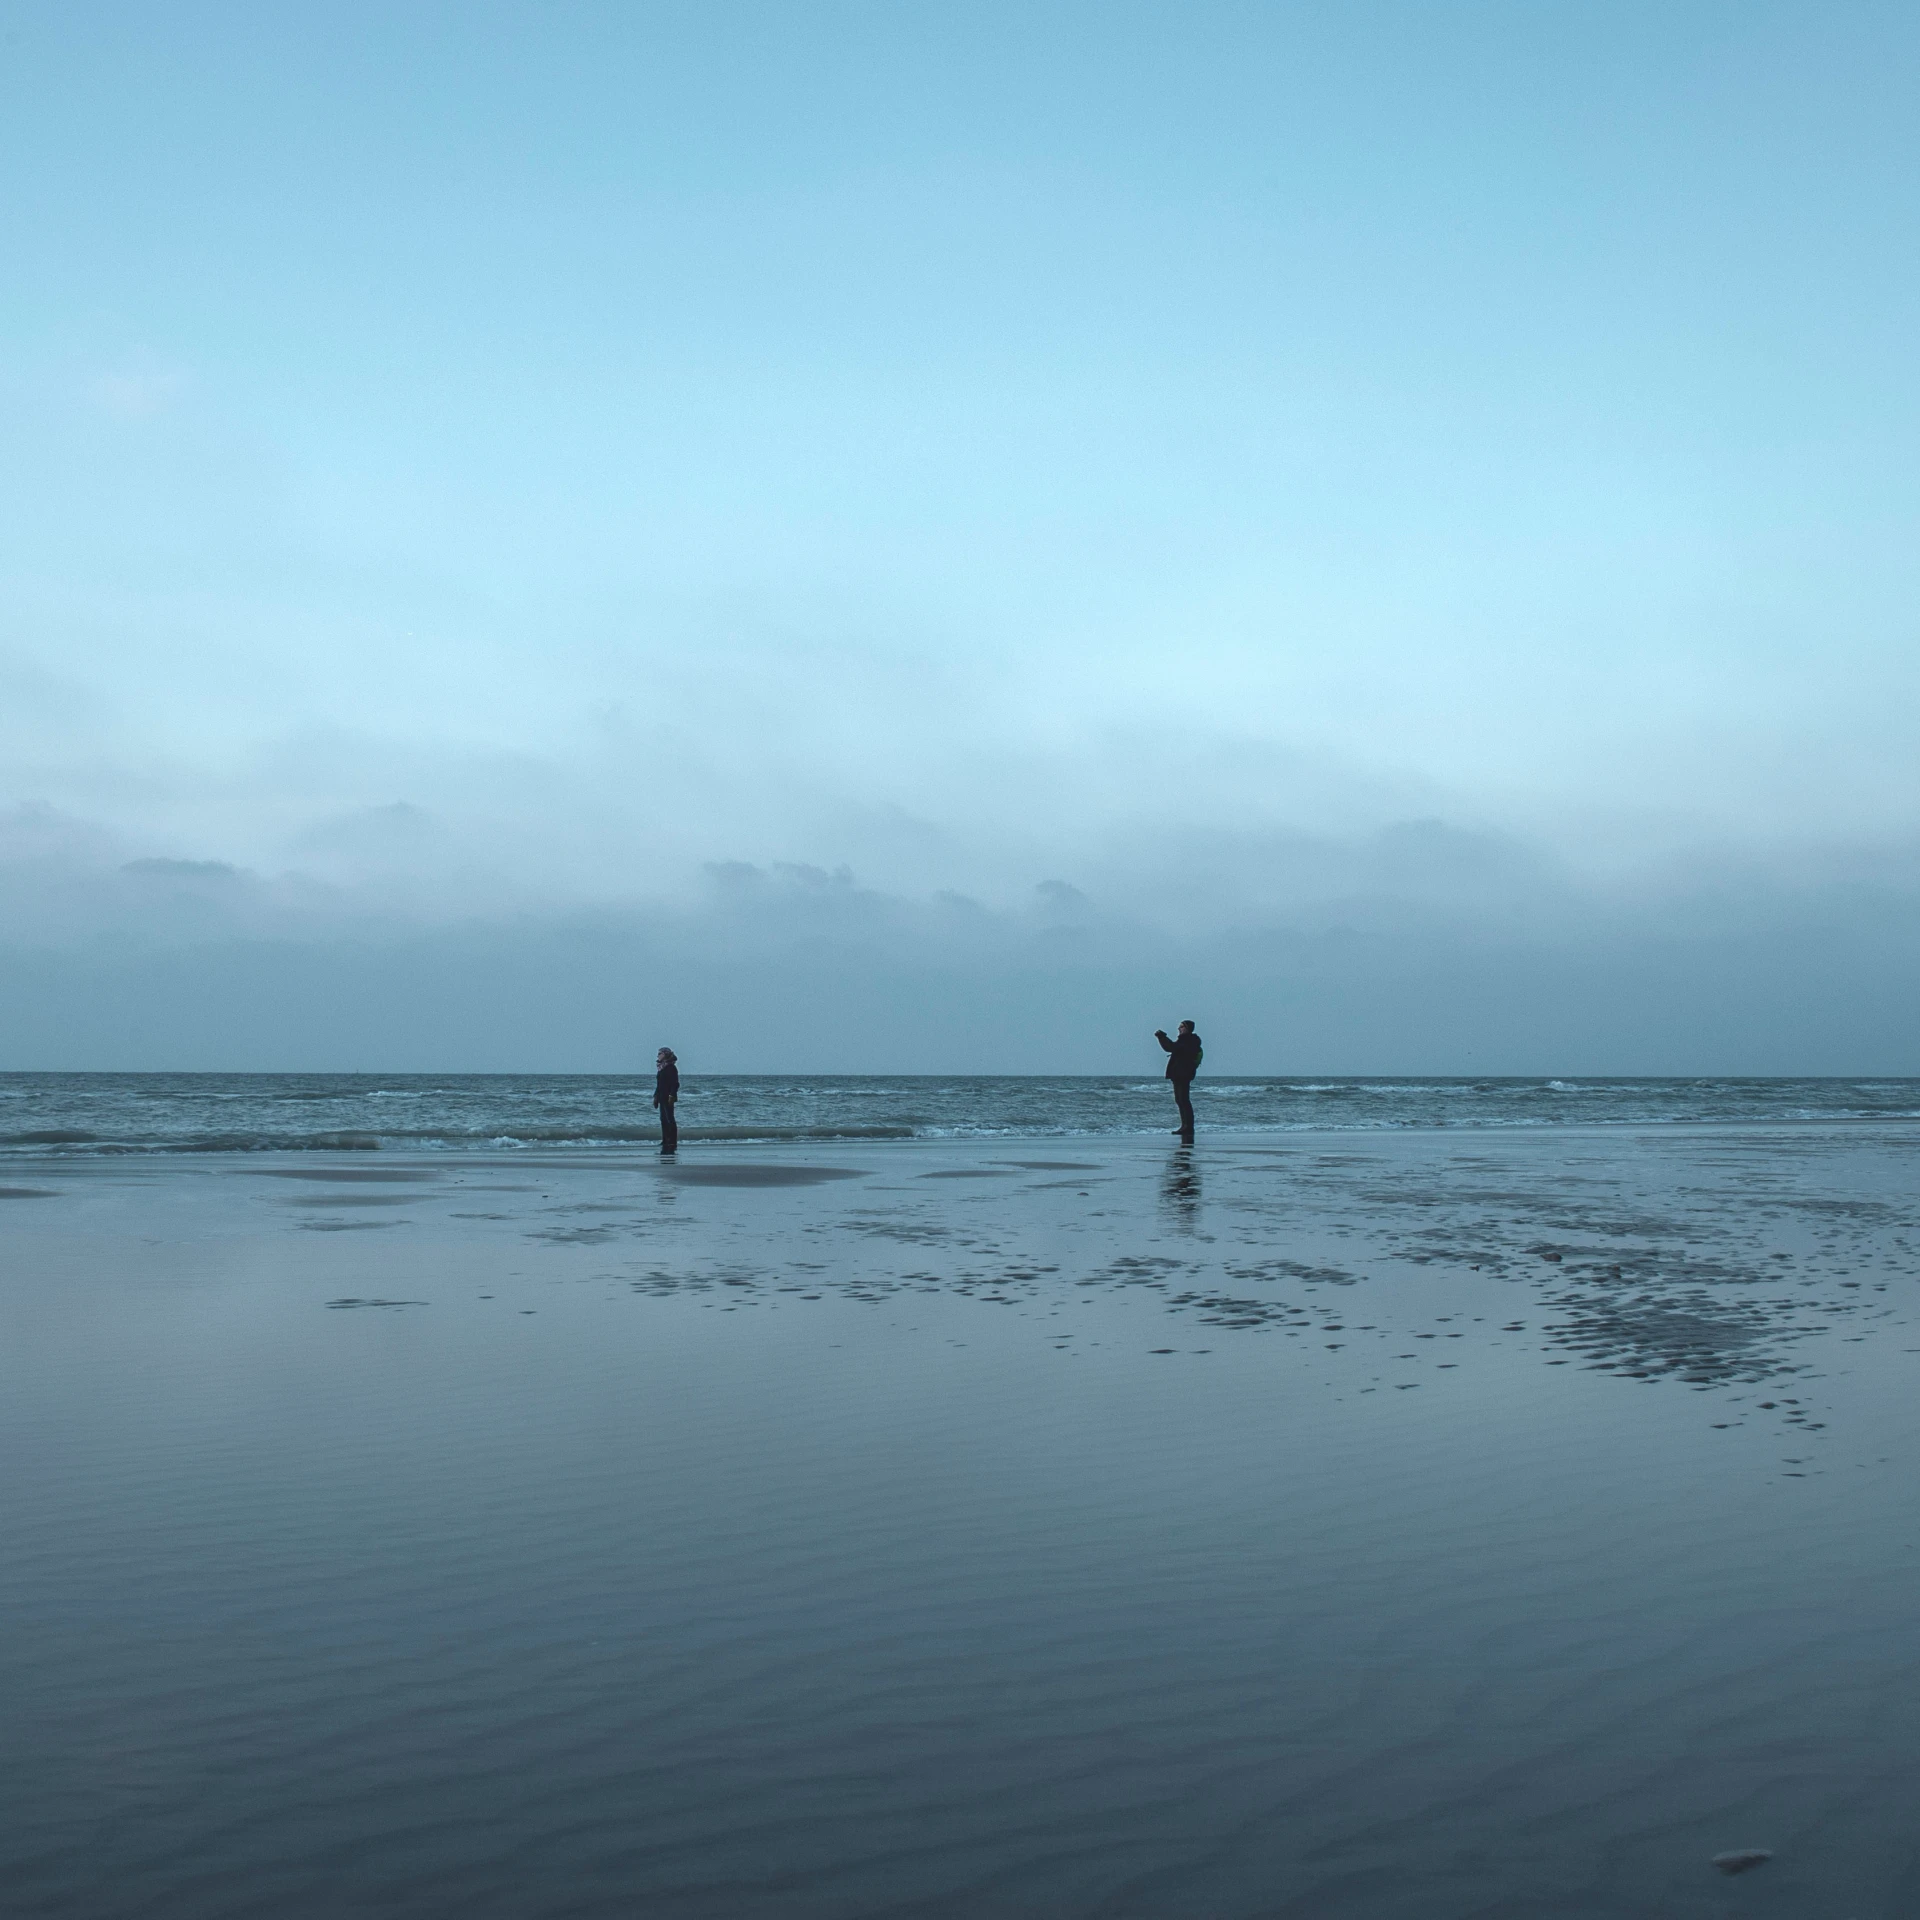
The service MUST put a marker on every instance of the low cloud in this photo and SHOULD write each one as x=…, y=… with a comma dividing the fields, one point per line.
x=1416, y=948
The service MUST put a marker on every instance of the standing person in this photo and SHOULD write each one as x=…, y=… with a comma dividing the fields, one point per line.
x=1183, y=1062
x=666, y=1090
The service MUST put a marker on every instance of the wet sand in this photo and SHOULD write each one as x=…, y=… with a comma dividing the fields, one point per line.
x=1430, y=1524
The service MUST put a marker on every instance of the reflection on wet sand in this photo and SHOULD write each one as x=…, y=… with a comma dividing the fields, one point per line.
x=1180, y=1188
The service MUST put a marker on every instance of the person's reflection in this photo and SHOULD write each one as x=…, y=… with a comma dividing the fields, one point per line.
x=1180, y=1188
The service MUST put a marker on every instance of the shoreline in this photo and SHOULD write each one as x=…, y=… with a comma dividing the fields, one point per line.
x=80, y=1153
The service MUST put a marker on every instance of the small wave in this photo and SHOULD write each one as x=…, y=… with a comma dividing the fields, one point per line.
x=86, y=1145
x=979, y=1130
x=581, y=1134
x=274, y=1143
x=826, y=1131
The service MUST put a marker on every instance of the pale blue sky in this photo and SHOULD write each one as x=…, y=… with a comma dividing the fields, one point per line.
x=1436, y=475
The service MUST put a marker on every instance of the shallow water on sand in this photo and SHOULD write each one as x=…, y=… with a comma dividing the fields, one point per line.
x=1398, y=1526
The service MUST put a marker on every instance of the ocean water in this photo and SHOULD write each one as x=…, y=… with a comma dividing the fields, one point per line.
x=105, y=1113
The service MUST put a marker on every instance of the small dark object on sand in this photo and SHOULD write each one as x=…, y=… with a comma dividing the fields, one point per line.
x=1741, y=1859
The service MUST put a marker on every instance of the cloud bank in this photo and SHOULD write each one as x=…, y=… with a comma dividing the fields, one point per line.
x=1414, y=949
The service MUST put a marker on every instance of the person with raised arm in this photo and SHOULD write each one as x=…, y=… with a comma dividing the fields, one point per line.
x=1183, y=1062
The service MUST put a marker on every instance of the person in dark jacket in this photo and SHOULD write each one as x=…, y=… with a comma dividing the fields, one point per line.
x=666, y=1090
x=1183, y=1062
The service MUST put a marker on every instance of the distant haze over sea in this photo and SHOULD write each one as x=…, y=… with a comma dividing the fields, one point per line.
x=786, y=974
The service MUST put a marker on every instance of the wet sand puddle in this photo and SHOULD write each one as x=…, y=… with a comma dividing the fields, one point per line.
x=1721, y=1288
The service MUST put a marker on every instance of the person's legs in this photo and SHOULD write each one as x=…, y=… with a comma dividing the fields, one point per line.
x=1185, y=1104
x=669, y=1128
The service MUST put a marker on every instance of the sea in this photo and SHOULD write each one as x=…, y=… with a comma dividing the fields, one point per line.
x=85, y=1114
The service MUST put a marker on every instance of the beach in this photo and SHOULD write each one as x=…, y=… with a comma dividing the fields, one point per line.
x=959, y=963
x=1407, y=1523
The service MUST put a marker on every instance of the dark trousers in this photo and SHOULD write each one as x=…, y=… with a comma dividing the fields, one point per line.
x=669, y=1130
x=1185, y=1104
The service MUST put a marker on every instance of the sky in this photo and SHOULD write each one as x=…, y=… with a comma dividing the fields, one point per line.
x=887, y=538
